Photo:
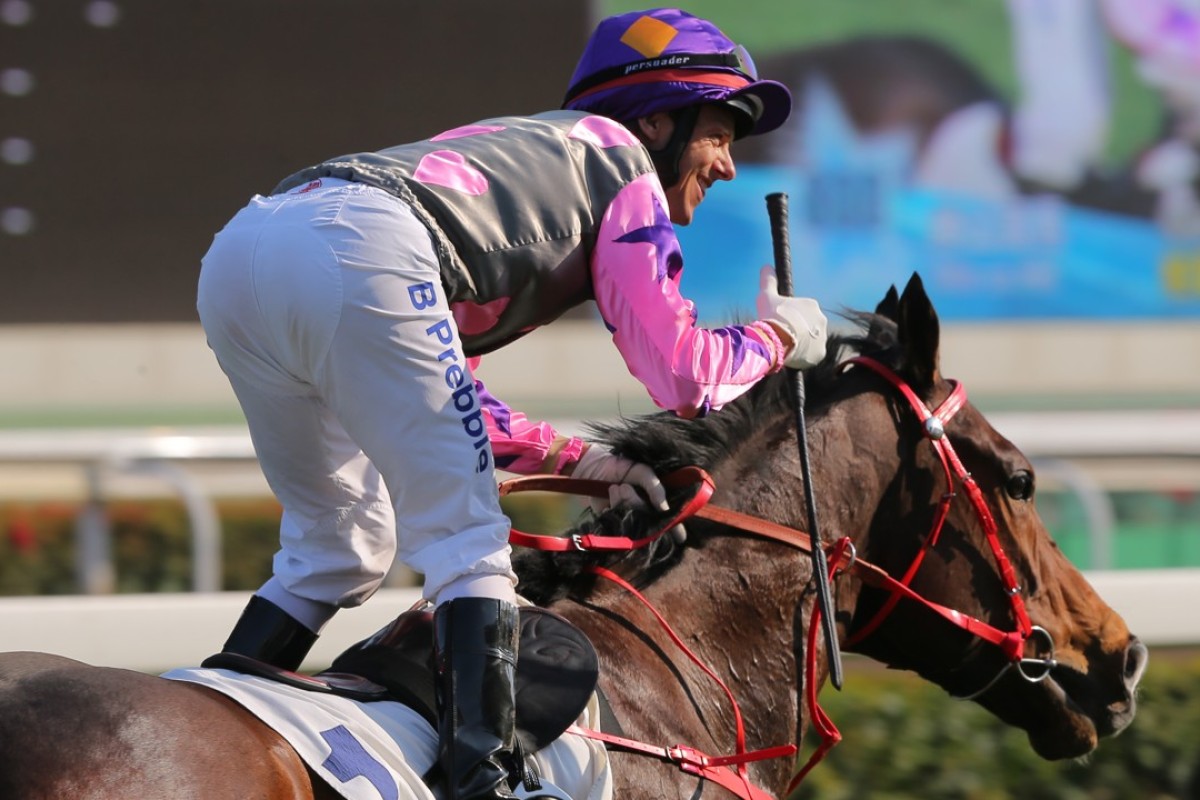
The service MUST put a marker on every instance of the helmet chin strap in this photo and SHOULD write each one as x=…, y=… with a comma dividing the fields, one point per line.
x=666, y=160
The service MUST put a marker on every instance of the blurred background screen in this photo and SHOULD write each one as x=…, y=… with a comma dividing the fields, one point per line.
x=131, y=130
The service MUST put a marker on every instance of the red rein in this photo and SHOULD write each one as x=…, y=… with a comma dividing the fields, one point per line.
x=730, y=771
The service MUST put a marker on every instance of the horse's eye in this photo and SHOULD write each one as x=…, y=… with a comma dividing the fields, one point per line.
x=1020, y=485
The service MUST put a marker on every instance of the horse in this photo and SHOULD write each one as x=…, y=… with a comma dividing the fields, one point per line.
x=708, y=658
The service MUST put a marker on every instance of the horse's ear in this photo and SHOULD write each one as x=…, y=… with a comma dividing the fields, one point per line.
x=888, y=305
x=919, y=333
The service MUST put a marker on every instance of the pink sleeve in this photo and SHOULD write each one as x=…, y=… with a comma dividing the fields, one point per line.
x=520, y=445
x=636, y=269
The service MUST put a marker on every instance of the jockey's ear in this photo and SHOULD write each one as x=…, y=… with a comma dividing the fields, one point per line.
x=655, y=129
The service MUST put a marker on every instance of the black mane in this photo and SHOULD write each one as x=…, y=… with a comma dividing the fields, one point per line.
x=666, y=443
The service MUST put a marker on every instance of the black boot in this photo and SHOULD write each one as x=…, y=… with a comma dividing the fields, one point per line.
x=266, y=632
x=475, y=652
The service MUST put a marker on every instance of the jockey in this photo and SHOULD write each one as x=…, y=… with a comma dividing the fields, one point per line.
x=350, y=306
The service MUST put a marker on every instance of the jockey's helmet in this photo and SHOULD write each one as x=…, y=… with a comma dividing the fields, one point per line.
x=665, y=59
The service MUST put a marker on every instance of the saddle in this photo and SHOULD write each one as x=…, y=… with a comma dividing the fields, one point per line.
x=557, y=670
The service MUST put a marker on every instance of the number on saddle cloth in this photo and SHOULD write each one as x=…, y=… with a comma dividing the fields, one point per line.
x=557, y=670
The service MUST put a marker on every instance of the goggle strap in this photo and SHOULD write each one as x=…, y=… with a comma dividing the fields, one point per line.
x=737, y=59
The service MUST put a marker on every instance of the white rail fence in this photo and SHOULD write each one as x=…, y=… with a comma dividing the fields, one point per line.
x=197, y=465
x=100, y=456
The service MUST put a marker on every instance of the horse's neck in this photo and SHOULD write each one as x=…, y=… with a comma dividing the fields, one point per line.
x=732, y=601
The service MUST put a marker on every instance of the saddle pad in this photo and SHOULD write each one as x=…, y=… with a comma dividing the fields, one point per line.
x=379, y=750
x=556, y=675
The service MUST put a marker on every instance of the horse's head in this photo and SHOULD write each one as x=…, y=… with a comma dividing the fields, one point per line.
x=1062, y=665
x=980, y=599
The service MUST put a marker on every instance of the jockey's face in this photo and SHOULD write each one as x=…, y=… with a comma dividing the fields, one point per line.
x=705, y=160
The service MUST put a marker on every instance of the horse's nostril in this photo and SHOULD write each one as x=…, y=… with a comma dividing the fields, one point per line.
x=1136, y=657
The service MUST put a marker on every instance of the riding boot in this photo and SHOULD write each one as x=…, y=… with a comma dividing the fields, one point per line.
x=266, y=632
x=475, y=650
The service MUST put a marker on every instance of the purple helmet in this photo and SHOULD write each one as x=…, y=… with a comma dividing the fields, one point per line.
x=664, y=59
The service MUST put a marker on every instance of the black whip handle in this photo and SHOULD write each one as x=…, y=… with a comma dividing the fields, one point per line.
x=777, y=210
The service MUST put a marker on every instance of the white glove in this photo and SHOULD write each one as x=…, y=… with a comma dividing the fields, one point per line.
x=598, y=464
x=799, y=317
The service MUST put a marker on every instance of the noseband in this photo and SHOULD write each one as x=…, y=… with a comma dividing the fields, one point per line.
x=1013, y=644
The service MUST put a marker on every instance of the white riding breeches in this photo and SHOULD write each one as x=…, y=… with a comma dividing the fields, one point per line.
x=324, y=307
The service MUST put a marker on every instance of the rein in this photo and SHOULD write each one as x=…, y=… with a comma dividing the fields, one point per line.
x=689, y=759
x=842, y=558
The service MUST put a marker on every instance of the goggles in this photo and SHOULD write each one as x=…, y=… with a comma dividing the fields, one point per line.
x=737, y=59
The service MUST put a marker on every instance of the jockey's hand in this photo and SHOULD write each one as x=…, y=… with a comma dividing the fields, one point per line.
x=796, y=318
x=625, y=478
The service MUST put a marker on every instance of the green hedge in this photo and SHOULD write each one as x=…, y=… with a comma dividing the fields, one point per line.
x=904, y=739
x=151, y=544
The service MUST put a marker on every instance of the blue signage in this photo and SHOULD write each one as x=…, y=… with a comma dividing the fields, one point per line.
x=853, y=235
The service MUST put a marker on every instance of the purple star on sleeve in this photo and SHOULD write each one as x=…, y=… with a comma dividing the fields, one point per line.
x=661, y=234
x=740, y=343
x=501, y=414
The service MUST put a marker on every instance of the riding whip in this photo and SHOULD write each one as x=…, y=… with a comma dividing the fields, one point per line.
x=777, y=210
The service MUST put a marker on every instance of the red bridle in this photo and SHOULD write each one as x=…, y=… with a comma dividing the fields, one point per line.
x=842, y=559
x=1011, y=643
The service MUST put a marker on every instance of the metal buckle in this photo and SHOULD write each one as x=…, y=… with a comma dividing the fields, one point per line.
x=1027, y=667
x=853, y=551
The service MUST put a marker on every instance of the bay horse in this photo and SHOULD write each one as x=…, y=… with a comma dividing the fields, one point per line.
x=705, y=643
